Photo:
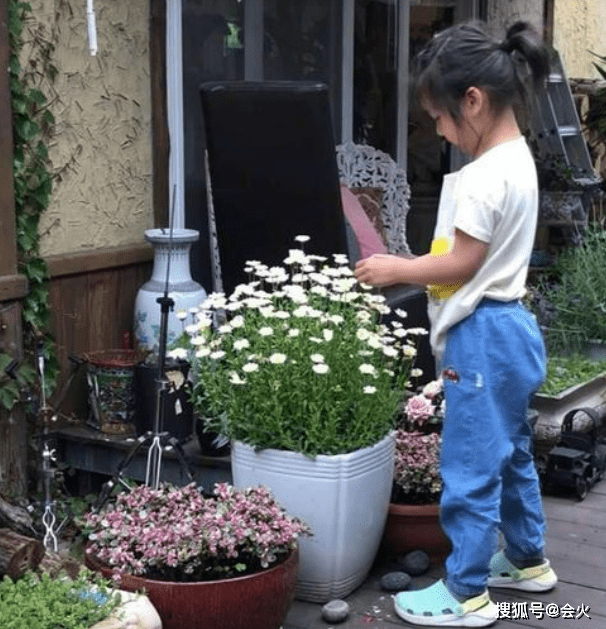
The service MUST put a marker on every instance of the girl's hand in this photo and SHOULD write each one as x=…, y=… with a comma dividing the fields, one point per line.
x=379, y=270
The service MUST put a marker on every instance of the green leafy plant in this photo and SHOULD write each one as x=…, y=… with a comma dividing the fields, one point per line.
x=300, y=359
x=578, y=296
x=46, y=603
x=564, y=372
x=33, y=125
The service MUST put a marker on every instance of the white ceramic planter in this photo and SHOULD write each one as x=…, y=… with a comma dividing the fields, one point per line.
x=344, y=498
x=182, y=289
x=552, y=409
x=134, y=612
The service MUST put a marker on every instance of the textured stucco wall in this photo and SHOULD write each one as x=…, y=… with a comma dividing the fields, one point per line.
x=503, y=13
x=578, y=28
x=102, y=146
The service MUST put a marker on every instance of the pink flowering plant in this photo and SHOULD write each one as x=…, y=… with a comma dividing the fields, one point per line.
x=417, y=477
x=179, y=534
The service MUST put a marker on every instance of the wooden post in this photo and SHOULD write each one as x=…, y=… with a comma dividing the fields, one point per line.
x=13, y=439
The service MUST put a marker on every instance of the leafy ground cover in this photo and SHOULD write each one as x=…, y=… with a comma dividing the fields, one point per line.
x=564, y=372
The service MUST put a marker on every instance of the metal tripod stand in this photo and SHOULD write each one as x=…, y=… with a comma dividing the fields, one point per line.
x=157, y=440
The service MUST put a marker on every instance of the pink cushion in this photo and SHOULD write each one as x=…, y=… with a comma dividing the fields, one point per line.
x=369, y=240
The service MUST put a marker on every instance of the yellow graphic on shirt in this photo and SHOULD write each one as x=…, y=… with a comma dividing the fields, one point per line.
x=439, y=247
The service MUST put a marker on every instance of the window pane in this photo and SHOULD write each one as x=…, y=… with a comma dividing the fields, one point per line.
x=375, y=74
x=303, y=42
x=212, y=51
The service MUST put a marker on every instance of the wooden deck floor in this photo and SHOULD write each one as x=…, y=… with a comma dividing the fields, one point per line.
x=576, y=547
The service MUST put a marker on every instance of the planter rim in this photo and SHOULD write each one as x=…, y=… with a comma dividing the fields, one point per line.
x=96, y=564
x=577, y=388
x=321, y=457
x=432, y=508
x=180, y=235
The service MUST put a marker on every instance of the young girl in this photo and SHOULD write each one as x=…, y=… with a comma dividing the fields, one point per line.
x=487, y=345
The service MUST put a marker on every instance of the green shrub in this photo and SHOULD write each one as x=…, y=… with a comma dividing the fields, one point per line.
x=34, y=602
x=579, y=295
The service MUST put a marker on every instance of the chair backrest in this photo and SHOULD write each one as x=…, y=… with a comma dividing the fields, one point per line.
x=362, y=166
x=273, y=172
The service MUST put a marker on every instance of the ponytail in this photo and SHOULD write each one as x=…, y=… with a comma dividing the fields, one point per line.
x=523, y=40
x=465, y=55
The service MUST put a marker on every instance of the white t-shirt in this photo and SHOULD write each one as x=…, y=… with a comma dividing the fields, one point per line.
x=493, y=199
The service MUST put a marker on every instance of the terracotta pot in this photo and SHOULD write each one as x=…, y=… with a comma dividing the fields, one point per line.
x=255, y=601
x=415, y=527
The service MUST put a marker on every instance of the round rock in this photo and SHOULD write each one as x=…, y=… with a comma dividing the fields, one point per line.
x=416, y=562
x=335, y=611
x=395, y=581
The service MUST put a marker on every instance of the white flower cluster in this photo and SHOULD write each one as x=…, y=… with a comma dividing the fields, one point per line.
x=302, y=339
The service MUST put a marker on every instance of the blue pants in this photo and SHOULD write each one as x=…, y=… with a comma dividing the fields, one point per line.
x=493, y=364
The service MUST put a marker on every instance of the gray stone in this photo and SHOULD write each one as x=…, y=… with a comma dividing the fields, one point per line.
x=335, y=611
x=395, y=581
x=416, y=562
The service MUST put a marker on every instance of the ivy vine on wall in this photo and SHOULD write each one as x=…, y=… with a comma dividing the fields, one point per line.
x=33, y=125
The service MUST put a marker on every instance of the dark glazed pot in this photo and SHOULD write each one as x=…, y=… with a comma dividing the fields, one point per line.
x=415, y=527
x=255, y=601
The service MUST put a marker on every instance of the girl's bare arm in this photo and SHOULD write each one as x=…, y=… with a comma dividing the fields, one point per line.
x=458, y=265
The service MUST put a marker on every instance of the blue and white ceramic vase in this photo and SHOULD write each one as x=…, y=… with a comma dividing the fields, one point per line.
x=182, y=289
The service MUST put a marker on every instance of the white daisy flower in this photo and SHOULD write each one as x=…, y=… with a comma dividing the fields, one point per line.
x=181, y=315
x=237, y=322
x=363, y=334
x=320, y=368
x=317, y=358
x=401, y=313
x=217, y=355
x=179, y=353
x=197, y=340
x=266, y=331
x=366, y=368
x=250, y=367
x=234, y=378
x=419, y=331
x=296, y=256
x=409, y=351
x=203, y=352
x=328, y=335
x=369, y=390
x=277, y=358
x=319, y=290
x=302, y=238
x=241, y=344
x=416, y=373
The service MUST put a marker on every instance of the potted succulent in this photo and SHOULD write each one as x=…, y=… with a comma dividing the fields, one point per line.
x=304, y=371
x=413, y=522
x=225, y=561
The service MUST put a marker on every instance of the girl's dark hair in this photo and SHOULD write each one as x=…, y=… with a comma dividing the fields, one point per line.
x=466, y=55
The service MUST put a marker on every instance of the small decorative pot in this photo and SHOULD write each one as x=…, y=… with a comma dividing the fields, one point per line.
x=182, y=289
x=415, y=527
x=254, y=601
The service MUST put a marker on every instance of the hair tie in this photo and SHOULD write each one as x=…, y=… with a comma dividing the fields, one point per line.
x=507, y=46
